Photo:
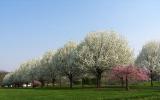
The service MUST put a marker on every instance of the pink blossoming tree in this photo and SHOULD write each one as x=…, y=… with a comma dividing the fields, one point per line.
x=128, y=73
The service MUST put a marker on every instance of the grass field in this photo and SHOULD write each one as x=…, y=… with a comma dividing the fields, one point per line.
x=113, y=93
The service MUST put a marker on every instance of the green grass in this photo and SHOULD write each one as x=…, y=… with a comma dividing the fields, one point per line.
x=156, y=83
x=81, y=94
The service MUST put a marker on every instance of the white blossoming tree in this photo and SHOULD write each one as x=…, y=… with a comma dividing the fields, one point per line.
x=32, y=64
x=8, y=80
x=40, y=72
x=66, y=61
x=24, y=73
x=18, y=81
x=49, y=68
x=149, y=58
x=2, y=75
x=100, y=51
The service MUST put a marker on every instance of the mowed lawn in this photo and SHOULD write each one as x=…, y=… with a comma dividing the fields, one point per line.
x=81, y=94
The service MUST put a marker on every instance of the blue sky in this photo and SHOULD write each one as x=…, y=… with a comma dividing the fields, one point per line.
x=28, y=28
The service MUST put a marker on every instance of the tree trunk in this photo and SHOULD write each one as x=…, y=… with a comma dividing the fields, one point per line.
x=26, y=85
x=18, y=85
x=127, y=87
x=32, y=80
x=99, y=80
x=60, y=83
x=32, y=83
x=53, y=81
x=122, y=82
x=151, y=78
x=47, y=84
x=42, y=83
x=82, y=82
x=71, y=80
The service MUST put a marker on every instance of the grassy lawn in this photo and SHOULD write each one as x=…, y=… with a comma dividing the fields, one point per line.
x=81, y=94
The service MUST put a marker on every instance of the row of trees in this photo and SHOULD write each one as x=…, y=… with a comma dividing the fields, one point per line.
x=99, y=52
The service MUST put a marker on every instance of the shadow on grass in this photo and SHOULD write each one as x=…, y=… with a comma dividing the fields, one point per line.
x=105, y=88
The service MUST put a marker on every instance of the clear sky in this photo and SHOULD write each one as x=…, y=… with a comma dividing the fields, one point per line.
x=28, y=28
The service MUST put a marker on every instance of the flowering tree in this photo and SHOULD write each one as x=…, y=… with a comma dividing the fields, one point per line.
x=8, y=79
x=66, y=61
x=128, y=73
x=81, y=64
x=149, y=58
x=2, y=75
x=18, y=79
x=100, y=51
x=23, y=71
x=49, y=66
x=32, y=64
x=41, y=72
